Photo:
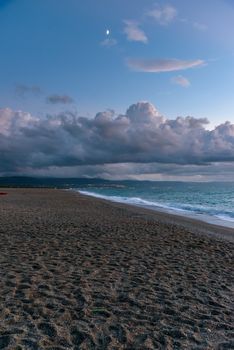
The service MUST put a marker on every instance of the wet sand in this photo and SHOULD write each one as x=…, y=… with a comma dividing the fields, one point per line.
x=82, y=273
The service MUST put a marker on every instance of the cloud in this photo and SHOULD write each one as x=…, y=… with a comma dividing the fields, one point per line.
x=163, y=15
x=24, y=90
x=142, y=135
x=109, y=42
x=197, y=25
x=160, y=171
x=162, y=65
x=142, y=171
x=200, y=26
x=134, y=33
x=59, y=99
x=180, y=80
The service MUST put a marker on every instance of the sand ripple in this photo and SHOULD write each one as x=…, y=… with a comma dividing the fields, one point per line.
x=79, y=273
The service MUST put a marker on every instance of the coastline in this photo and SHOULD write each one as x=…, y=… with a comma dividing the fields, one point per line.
x=193, y=224
x=83, y=273
x=217, y=220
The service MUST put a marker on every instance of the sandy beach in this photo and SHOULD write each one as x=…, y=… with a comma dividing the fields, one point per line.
x=82, y=273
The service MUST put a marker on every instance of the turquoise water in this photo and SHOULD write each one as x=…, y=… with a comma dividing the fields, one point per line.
x=212, y=202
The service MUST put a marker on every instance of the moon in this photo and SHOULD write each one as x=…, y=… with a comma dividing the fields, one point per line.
x=107, y=32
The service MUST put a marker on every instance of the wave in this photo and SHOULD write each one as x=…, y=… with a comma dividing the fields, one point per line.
x=225, y=217
x=120, y=199
x=182, y=209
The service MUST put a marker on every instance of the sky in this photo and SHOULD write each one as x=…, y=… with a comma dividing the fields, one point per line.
x=117, y=89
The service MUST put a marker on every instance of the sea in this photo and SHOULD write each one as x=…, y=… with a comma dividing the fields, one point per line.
x=209, y=202
x=212, y=202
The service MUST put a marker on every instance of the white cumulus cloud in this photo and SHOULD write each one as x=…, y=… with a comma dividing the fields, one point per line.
x=141, y=135
x=133, y=32
x=163, y=15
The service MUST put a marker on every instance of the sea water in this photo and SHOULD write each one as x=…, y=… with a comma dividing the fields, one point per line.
x=210, y=202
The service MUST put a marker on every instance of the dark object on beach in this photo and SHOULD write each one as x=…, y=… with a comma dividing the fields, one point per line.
x=3, y=193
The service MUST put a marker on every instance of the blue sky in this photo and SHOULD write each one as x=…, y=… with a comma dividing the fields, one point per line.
x=69, y=59
x=57, y=45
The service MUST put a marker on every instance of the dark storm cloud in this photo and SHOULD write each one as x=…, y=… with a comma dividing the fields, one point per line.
x=59, y=99
x=24, y=90
x=141, y=135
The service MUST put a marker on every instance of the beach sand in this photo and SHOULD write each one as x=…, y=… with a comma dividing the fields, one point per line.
x=82, y=273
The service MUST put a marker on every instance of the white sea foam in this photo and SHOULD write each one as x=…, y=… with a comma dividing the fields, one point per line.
x=199, y=212
x=129, y=200
x=225, y=217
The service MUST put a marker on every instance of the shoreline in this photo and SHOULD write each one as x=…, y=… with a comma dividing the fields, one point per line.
x=206, y=218
x=194, y=225
x=84, y=273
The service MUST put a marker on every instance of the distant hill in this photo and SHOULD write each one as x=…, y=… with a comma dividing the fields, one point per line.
x=24, y=181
